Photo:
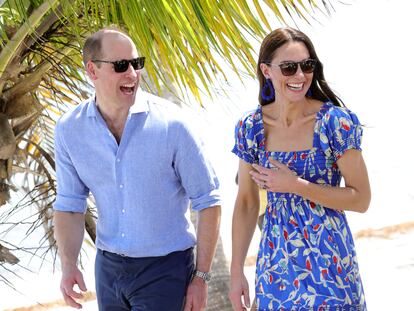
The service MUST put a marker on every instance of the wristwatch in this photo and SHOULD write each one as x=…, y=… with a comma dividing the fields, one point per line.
x=205, y=276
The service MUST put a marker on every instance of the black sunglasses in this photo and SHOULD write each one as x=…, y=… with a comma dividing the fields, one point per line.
x=122, y=65
x=290, y=68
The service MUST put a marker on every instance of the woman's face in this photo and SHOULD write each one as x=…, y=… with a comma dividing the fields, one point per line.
x=290, y=88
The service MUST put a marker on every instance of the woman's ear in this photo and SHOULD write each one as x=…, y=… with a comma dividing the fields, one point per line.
x=265, y=70
x=90, y=70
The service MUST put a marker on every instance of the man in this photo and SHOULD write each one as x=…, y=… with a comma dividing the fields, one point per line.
x=143, y=167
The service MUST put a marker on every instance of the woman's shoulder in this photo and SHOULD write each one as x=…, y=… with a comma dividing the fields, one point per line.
x=250, y=118
x=249, y=128
x=337, y=119
x=332, y=110
x=249, y=135
x=339, y=130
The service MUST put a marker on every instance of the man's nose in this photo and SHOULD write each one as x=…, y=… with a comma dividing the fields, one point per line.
x=131, y=71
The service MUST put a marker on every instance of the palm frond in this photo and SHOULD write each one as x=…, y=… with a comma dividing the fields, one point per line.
x=24, y=31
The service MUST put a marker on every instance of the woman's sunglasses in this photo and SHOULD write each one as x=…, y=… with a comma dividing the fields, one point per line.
x=122, y=65
x=290, y=68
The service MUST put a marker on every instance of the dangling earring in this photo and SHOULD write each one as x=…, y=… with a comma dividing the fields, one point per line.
x=309, y=93
x=268, y=91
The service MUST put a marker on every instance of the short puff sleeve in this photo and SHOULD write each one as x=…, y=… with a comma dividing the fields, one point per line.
x=340, y=131
x=246, y=145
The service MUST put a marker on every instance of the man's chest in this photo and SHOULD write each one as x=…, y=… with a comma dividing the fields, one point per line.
x=141, y=154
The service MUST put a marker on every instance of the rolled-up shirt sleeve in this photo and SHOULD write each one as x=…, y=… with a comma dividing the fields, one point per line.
x=194, y=169
x=71, y=191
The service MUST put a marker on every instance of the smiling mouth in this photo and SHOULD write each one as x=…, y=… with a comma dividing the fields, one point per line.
x=295, y=86
x=128, y=88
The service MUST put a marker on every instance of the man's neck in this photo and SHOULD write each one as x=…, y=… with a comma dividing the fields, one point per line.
x=115, y=118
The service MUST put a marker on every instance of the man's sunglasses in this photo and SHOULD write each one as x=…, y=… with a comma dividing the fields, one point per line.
x=122, y=65
x=290, y=68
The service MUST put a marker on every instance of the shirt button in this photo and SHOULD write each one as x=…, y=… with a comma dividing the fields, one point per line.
x=122, y=234
x=121, y=186
x=123, y=211
x=118, y=160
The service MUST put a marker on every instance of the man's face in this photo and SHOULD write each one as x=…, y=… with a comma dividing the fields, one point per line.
x=115, y=89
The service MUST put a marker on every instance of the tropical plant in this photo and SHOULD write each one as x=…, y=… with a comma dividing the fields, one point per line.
x=188, y=43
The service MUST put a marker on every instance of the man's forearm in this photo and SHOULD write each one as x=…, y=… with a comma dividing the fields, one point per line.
x=69, y=232
x=208, y=227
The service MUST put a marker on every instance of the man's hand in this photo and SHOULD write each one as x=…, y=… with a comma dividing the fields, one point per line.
x=72, y=276
x=196, y=298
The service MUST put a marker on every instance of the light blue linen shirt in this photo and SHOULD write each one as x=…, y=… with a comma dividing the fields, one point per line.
x=143, y=186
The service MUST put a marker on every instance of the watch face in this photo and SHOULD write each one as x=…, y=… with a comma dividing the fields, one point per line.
x=207, y=277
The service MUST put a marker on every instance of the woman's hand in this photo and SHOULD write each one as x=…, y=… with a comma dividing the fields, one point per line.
x=355, y=196
x=239, y=287
x=279, y=178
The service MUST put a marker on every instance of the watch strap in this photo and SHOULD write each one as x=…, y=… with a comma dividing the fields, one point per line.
x=205, y=276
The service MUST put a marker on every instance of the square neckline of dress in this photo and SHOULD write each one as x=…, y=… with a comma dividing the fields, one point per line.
x=315, y=132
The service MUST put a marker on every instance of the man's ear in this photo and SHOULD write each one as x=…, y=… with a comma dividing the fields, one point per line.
x=90, y=70
x=265, y=70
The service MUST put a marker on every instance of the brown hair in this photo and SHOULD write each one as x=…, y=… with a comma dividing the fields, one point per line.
x=319, y=88
x=93, y=44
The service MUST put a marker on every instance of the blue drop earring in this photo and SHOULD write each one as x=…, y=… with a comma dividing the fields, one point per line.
x=268, y=91
x=309, y=93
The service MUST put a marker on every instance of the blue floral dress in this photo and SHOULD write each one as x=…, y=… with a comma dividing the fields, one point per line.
x=307, y=258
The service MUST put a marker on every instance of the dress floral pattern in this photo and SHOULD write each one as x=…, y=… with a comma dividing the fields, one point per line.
x=307, y=258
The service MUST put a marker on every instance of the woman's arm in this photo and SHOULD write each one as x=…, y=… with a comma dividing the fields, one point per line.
x=355, y=196
x=246, y=212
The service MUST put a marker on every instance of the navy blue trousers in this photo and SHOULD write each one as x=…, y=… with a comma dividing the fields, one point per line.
x=143, y=284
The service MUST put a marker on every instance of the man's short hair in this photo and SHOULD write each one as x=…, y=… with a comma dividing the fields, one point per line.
x=93, y=44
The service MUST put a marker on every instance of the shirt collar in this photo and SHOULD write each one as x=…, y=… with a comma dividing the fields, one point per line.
x=140, y=105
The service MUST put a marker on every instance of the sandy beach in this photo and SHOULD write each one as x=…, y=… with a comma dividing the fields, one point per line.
x=386, y=260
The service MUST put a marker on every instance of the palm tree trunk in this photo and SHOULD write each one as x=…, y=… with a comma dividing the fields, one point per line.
x=219, y=285
x=90, y=225
x=7, y=139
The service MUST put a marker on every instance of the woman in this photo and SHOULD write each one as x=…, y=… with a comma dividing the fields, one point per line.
x=297, y=145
